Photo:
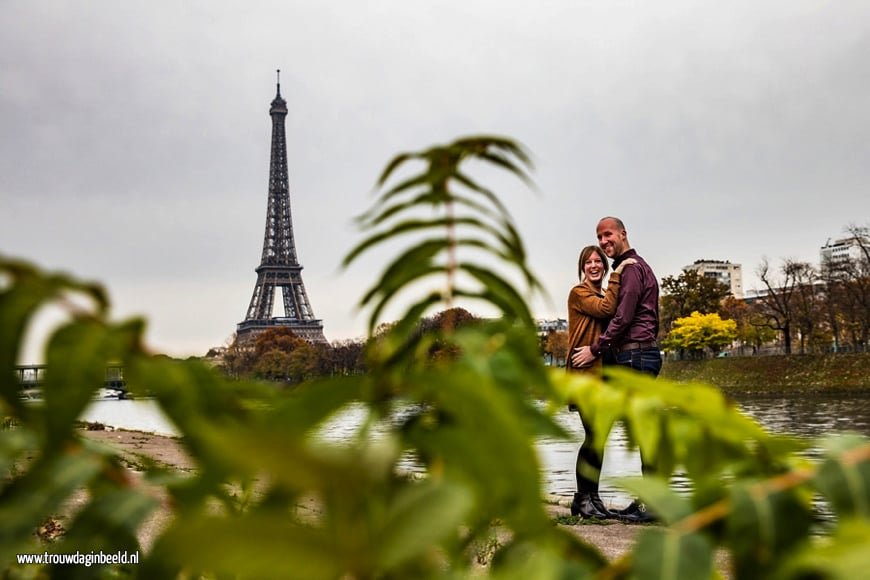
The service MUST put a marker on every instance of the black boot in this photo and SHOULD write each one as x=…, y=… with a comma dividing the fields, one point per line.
x=635, y=513
x=584, y=505
x=599, y=504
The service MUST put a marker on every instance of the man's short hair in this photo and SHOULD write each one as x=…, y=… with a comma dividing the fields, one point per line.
x=618, y=221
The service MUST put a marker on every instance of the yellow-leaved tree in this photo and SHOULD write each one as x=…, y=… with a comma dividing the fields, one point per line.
x=697, y=332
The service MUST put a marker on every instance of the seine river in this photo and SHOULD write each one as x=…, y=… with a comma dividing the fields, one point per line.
x=805, y=415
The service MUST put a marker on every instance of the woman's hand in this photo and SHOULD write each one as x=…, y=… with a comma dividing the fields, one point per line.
x=623, y=264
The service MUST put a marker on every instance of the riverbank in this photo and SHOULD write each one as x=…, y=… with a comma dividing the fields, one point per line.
x=776, y=374
x=136, y=449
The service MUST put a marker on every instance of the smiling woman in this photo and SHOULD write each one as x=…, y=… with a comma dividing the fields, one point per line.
x=589, y=305
x=589, y=308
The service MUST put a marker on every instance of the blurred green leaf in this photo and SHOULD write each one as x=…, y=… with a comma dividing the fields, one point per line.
x=420, y=517
x=380, y=214
x=307, y=406
x=38, y=493
x=76, y=359
x=28, y=290
x=844, y=476
x=486, y=193
x=842, y=555
x=13, y=444
x=109, y=522
x=666, y=503
x=540, y=560
x=432, y=188
x=662, y=554
x=488, y=449
x=411, y=319
x=763, y=526
x=500, y=293
x=259, y=545
x=645, y=423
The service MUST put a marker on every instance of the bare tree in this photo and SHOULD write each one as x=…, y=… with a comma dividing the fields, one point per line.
x=752, y=329
x=808, y=307
x=777, y=305
x=861, y=234
x=833, y=298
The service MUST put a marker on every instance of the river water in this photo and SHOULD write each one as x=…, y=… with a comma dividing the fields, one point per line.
x=809, y=416
x=804, y=415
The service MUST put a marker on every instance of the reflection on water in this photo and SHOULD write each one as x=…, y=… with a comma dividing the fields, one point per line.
x=811, y=415
x=806, y=416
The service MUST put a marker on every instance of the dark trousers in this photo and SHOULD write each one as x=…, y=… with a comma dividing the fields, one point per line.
x=589, y=461
x=645, y=360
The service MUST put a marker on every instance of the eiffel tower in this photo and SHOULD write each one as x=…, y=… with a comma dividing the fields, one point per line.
x=279, y=266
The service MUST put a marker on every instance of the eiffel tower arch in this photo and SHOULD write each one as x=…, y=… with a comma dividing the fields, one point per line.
x=279, y=266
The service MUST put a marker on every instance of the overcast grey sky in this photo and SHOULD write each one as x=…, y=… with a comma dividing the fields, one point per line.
x=135, y=135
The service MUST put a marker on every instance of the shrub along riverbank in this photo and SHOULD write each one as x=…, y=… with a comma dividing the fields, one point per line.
x=784, y=373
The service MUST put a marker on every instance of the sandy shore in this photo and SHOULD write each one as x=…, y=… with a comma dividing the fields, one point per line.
x=612, y=538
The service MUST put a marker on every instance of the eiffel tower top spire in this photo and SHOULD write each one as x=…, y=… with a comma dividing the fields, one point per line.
x=279, y=247
x=279, y=105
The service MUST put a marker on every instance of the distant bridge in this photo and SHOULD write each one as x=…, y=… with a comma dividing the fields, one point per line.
x=30, y=376
x=33, y=377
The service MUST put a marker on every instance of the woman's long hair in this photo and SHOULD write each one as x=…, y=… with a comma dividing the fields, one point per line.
x=584, y=255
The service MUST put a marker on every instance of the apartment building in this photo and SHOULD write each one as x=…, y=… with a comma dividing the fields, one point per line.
x=724, y=271
x=844, y=250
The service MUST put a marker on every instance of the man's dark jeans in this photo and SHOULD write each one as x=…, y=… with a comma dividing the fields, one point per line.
x=645, y=360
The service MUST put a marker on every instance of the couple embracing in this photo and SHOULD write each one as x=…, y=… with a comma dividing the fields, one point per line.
x=616, y=326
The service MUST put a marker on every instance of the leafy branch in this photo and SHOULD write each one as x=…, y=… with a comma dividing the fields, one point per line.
x=469, y=215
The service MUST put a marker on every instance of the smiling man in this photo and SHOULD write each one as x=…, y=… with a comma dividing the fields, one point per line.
x=630, y=337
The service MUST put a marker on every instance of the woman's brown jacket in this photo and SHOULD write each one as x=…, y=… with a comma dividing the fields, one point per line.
x=588, y=313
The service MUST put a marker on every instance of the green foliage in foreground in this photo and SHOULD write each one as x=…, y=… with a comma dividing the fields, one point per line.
x=272, y=499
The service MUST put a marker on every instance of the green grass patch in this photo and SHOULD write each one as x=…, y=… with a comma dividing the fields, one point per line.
x=776, y=374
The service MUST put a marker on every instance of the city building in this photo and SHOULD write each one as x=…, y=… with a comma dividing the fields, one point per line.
x=724, y=271
x=546, y=326
x=843, y=250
